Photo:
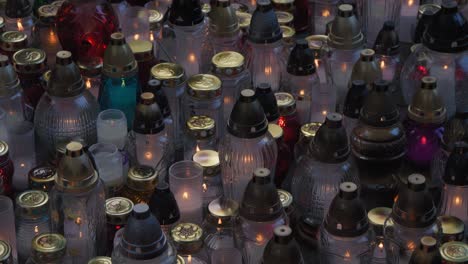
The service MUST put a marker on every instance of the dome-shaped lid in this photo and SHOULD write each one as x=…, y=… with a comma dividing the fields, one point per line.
x=427, y=252
x=345, y=32
x=65, y=79
x=347, y=215
x=448, y=30
x=143, y=238
x=330, y=143
x=119, y=60
x=453, y=227
x=355, y=97
x=75, y=170
x=185, y=13
x=18, y=8
x=264, y=26
x=301, y=60
x=282, y=248
x=223, y=19
x=425, y=14
x=378, y=109
x=148, y=116
x=267, y=99
x=247, y=118
x=164, y=205
x=154, y=86
x=456, y=170
x=427, y=106
x=366, y=68
x=9, y=82
x=387, y=42
x=261, y=202
x=414, y=207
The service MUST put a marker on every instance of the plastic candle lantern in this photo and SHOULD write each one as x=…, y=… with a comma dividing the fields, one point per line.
x=267, y=99
x=19, y=17
x=91, y=72
x=407, y=13
x=212, y=185
x=12, y=41
x=108, y=162
x=164, y=206
x=118, y=210
x=45, y=32
x=288, y=120
x=366, y=68
x=376, y=13
x=135, y=23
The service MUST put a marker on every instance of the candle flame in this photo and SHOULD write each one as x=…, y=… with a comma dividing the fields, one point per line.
x=324, y=112
x=344, y=67
x=88, y=84
x=347, y=254
x=268, y=70
x=253, y=2
x=445, y=67
x=259, y=238
x=189, y=258
x=381, y=245
x=197, y=148
x=136, y=37
x=382, y=65
x=192, y=58
x=325, y=13
x=301, y=92
x=78, y=221
x=151, y=36
x=36, y=229
x=317, y=63
x=457, y=200
x=395, y=199
x=148, y=155
x=185, y=195
x=22, y=165
x=204, y=187
x=411, y=245
x=19, y=25
x=220, y=222
x=410, y=2
x=52, y=37
x=81, y=234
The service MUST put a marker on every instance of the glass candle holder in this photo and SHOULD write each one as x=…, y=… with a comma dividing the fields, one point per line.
x=91, y=73
x=377, y=12
x=112, y=127
x=226, y=256
x=22, y=151
x=7, y=228
x=45, y=32
x=186, y=180
x=200, y=135
x=135, y=23
x=212, y=184
x=408, y=17
x=12, y=41
x=108, y=162
x=25, y=25
x=42, y=178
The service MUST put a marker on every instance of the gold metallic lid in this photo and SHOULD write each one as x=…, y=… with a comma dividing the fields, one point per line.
x=283, y=1
x=5, y=252
x=58, y=3
x=42, y=178
x=206, y=8
x=187, y=237
x=451, y=225
x=142, y=178
x=118, y=209
x=275, y=131
x=454, y=252
x=209, y=160
x=49, y=243
x=47, y=11
x=378, y=215
x=170, y=74
x=3, y=148
x=201, y=127
x=310, y=129
x=288, y=33
x=29, y=60
x=155, y=18
x=244, y=19
x=32, y=203
x=13, y=40
x=286, y=103
x=204, y=86
x=223, y=208
x=100, y=260
x=142, y=49
x=180, y=260
x=284, y=18
x=228, y=59
x=286, y=198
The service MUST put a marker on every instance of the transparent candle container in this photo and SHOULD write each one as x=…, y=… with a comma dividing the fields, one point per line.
x=203, y=97
x=289, y=118
x=108, y=162
x=42, y=178
x=246, y=146
x=45, y=33
x=118, y=210
x=164, y=206
x=260, y=212
x=140, y=184
x=414, y=215
x=112, y=128
x=144, y=54
x=6, y=169
x=12, y=41
x=264, y=47
x=229, y=67
x=92, y=77
x=323, y=13
x=19, y=17
x=77, y=202
x=212, y=184
x=188, y=240
x=156, y=26
x=11, y=95
x=307, y=134
x=7, y=229
x=328, y=155
x=289, y=41
x=284, y=158
x=376, y=13
x=32, y=218
x=48, y=248
x=66, y=111
x=200, y=135
x=186, y=183
x=22, y=153
x=134, y=23
x=344, y=234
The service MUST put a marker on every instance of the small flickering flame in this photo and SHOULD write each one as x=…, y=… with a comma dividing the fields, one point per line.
x=259, y=238
x=381, y=245
x=445, y=67
x=19, y=25
x=151, y=36
x=325, y=13
x=324, y=112
x=204, y=187
x=36, y=229
x=423, y=140
x=185, y=195
x=88, y=84
x=411, y=245
x=317, y=63
x=457, y=200
x=148, y=155
x=192, y=58
x=78, y=221
x=52, y=37
x=395, y=199
x=81, y=234
x=123, y=83
x=22, y=165
x=268, y=70
x=301, y=92
x=220, y=222
x=253, y=2
x=136, y=37
x=189, y=258
x=344, y=67
x=197, y=148
x=382, y=65
x=410, y=2
x=347, y=254
x=281, y=122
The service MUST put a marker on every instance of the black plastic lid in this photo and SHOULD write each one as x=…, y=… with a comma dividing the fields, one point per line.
x=456, y=170
x=267, y=99
x=282, y=248
x=18, y=8
x=414, y=207
x=355, y=98
x=164, y=205
x=148, y=117
x=264, y=27
x=261, y=202
x=247, y=118
x=347, y=216
x=448, y=30
x=330, y=143
x=154, y=86
x=387, y=41
x=186, y=13
x=143, y=238
x=426, y=12
x=378, y=109
x=301, y=60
